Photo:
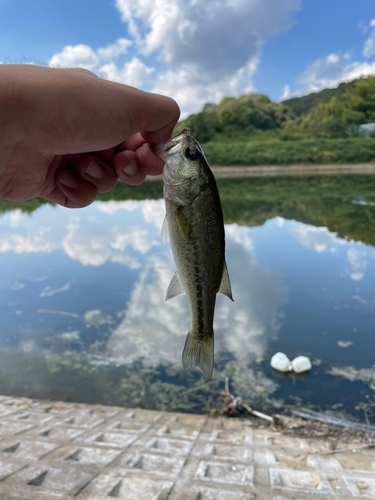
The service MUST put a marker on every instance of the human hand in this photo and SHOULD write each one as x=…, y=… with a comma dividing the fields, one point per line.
x=66, y=134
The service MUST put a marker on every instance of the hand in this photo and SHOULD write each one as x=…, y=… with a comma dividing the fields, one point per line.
x=66, y=134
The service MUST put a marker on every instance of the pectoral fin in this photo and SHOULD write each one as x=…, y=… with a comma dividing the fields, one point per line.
x=164, y=231
x=225, y=287
x=184, y=223
x=175, y=287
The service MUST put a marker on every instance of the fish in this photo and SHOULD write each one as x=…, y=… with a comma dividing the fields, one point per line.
x=195, y=226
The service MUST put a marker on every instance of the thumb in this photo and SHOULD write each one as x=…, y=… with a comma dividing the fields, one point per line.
x=77, y=112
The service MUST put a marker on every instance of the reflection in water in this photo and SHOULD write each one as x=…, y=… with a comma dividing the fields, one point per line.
x=321, y=240
x=82, y=298
x=156, y=330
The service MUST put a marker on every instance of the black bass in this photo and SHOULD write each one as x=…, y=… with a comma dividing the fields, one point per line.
x=194, y=223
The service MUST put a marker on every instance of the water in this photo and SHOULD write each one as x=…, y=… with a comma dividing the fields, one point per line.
x=83, y=316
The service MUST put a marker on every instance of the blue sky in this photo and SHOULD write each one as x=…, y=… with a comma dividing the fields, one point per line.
x=198, y=51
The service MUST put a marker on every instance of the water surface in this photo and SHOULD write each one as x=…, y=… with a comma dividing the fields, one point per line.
x=83, y=316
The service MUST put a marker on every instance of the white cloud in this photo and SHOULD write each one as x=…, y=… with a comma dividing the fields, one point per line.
x=81, y=56
x=210, y=48
x=369, y=47
x=218, y=36
x=115, y=49
x=286, y=93
x=48, y=292
x=192, y=88
x=134, y=72
x=330, y=71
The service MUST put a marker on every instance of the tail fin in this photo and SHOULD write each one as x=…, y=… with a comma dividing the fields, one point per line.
x=199, y=352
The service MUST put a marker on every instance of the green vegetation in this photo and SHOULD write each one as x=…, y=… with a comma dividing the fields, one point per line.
x=318, y=128
x=300, y=105
x=159, y=386
x=282, y=152
x=233, y=117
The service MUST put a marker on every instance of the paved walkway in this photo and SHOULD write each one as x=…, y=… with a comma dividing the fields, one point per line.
x=62, y=450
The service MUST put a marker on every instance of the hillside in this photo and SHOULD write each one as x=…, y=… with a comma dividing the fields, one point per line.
x=235, y=117
x=303, y=104
x=318, y=128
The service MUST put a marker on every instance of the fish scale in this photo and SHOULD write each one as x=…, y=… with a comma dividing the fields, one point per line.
x=194, y=221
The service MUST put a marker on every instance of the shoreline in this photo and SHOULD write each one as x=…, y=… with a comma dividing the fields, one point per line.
x=239, y=172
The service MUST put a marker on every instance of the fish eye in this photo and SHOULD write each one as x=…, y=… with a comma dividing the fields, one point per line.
x=191, y=153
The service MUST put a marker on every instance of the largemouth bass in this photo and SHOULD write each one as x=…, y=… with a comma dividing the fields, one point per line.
x=194, y=223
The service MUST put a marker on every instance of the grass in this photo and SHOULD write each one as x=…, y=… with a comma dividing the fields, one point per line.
x=288, y=152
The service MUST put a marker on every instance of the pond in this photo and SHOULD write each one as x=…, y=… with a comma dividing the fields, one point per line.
x=83, y=316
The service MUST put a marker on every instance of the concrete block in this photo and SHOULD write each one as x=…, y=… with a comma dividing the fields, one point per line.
x=130, y=425
x=48, y=480
x=302, y=481
x=361, y=487
x=156, y=464
x=8, y=428
x=112, y=439
x=131, y=487
x=7, y=468
x=235, y=438
x=58, y=433
x=141, y=415
x=71, y=456
x=178, y=431
x=224, y=452
x=203, y=493
x=26, y=450
x=218, y=472
x=82, y=420
x=169, y=446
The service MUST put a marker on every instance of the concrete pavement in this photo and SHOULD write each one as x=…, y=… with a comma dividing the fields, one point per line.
x=65, y=450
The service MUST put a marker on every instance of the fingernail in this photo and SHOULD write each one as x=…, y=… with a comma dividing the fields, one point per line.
x=94, y=170
x=131, y=168
x=68, y=180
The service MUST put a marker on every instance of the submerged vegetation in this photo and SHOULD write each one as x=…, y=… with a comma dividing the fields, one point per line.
x=319, y=128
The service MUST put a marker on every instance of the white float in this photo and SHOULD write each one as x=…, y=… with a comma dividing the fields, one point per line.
x=301, y=364
x=281, y=362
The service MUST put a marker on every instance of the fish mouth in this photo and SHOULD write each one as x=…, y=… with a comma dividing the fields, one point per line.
x=174, y=145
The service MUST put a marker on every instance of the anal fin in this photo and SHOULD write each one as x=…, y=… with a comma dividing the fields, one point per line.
x=175, y=287
x=225, y=287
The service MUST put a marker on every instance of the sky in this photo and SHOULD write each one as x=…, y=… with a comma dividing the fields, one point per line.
x=197, y=51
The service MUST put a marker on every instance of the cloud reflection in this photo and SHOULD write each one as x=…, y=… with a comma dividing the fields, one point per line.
x=156, y=330
x=321, y=240
x=317, y=238
x=80, y=237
